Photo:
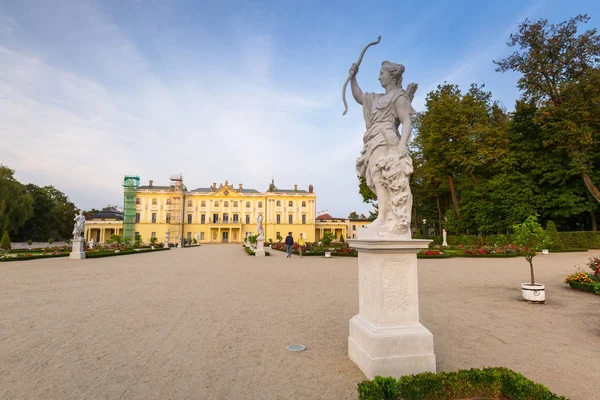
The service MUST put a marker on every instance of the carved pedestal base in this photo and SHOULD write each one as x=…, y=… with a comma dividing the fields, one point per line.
x=260, y=246
x=77, y=253
x=386, y=337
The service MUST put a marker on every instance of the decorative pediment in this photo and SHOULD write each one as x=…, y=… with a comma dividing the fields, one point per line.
x=226, y=190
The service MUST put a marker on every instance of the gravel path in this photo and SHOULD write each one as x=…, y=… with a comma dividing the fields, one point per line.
x=212, y=323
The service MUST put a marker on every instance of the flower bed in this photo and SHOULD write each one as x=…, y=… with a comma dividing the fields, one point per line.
x=251, y=252
x=490, y=383
x=585, y=281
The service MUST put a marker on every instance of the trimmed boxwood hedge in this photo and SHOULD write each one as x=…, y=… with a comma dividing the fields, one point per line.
x=34, y=257
x=252, y=252
x=586, y=287
x=492, y=383
x=121, y=253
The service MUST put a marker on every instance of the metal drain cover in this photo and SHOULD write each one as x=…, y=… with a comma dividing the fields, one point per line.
x=296, y=347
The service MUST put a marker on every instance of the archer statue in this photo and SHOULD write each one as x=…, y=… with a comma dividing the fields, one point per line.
x=384, y=161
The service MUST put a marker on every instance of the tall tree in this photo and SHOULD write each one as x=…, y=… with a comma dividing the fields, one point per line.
x=16, y=205
x=559, y=73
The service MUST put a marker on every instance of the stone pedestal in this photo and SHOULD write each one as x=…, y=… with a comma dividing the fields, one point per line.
x=260, y=246
x=77, y=252
x=386, y=337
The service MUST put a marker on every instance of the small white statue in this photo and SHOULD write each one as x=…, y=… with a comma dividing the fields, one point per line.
x=196, y=236
x=79, y=226
x=91, y=244
x=444, y=243
x=259, y=226
x=167, y=237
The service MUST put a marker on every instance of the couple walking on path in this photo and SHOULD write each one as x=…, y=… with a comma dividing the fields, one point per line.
x=289, y=243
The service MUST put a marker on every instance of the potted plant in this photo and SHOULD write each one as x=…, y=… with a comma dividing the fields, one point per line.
x=532, y=238
x=29, y=242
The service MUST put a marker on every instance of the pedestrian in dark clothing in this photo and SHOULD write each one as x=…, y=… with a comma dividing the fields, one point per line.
x=289, y=242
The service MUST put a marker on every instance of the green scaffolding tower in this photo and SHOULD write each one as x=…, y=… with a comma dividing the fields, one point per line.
x=130, y=185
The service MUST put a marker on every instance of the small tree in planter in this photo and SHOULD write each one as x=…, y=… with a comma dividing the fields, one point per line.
x=532, y=238
x=51, y=240
x=137, y=240
x=279, y=238
x=153, y=241
x=327, y=239
x=29, y=242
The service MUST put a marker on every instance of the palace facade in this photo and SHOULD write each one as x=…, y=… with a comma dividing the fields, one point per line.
x=213, y=214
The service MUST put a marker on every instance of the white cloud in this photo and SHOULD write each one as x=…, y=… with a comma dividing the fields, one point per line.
x=82, y=129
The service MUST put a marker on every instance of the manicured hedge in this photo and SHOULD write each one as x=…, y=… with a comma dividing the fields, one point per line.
x=101, y=254
x=570, y=240
x=586, y=287
x=34, y=257
x=252, y=252
x=492, y=383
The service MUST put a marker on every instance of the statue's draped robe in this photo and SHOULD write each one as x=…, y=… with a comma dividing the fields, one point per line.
x=382, y=154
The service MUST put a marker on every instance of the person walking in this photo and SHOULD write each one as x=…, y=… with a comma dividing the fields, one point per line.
x=301, y=243
x=289, y=242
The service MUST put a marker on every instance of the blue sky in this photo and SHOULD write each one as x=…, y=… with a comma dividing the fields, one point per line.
x=228, y=90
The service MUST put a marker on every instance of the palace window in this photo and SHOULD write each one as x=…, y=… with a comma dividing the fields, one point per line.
x=278, y=234
x=225, y=217
x=260, y=204
x=189, y=203
x=226, y=204
x=217, y=204
x=154, y=201
x=290, y=204
x=215, y=218
x=137, y=218
x=353, y=227
x=278, y=218
x=153, y=218
x=214, y=235
x=201, y=235
x=169, y=202
x=278, y=203
x=203, y=218
x=189, y=236
x=235, y=218
x=235, y=203
x=168, y=218
x=247, y=219
x=304, y=218
x=189, y=218
x=203, y=203
x=303, y=204
x=291, y=219
x=248, y=204
x=138, y=201
x=135, y=235
x=153, y=234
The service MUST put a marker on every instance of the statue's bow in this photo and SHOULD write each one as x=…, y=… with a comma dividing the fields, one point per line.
x=350, y=76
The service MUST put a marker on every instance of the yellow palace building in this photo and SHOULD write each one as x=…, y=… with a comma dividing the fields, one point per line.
x=215, y=214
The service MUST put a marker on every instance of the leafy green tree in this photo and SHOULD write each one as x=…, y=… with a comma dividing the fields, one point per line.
x=353, y=215
x=558, y=70
x=342, y=240
x=16, y=205
x=5, y=242
x=116, y=238
x=532, y=238
x=137, y=240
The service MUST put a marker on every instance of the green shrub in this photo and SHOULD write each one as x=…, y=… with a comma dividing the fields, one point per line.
x=51, y=240
x=342, y=238
x=487, y=382
x=137, y=240
x=593, y=239
x=553, y=236
x=5, y=242
x=29, y=242
x=115, y=238
x=327, y=238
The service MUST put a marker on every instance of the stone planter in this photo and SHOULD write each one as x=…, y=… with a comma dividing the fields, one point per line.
x=545, y=251
x=534, y=293
x=327, y=254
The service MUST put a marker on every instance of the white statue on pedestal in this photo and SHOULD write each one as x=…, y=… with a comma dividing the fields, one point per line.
x=259, y=227
x=384, y=161
x=91, y=244
x=79, y=227
x=444, y=243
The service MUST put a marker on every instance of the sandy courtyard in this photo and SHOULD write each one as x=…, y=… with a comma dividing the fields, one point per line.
x=213, y=323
